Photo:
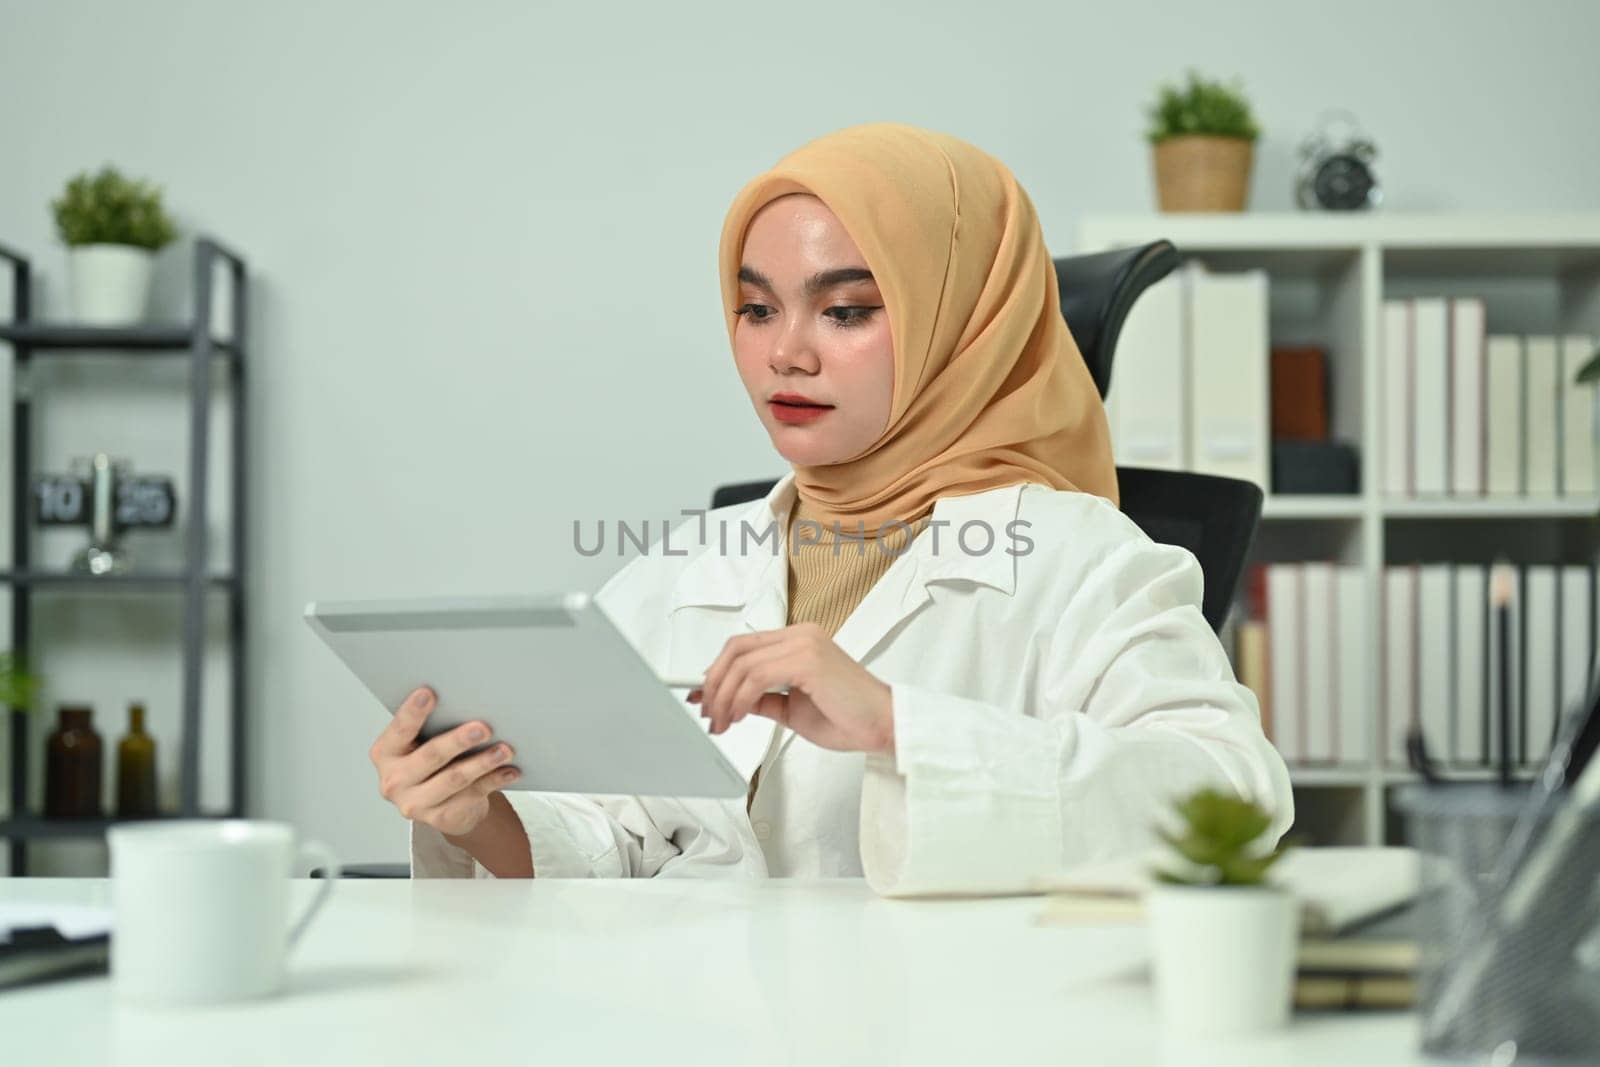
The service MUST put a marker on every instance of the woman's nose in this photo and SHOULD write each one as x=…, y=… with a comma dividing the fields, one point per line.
x=794, y=351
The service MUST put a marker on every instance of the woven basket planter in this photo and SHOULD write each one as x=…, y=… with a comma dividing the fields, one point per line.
x=1201, y=173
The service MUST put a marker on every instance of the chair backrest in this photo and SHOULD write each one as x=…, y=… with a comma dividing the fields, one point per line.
x=1214, y=518
x=741, y=492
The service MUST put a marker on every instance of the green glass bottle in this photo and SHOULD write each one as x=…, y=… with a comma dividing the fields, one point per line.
x=136, y=768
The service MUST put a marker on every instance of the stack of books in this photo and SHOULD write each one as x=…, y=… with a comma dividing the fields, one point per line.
x=1441, y=667
x=1304, y=650
x=1469, y=414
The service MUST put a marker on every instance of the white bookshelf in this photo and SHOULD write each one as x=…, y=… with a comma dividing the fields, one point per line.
x=1328, y=277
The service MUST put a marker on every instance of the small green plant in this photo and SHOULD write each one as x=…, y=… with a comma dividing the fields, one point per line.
x=1201, y=107
x=17, y=686
x=1217, y=842
x=1589, y=373
x=106, y=208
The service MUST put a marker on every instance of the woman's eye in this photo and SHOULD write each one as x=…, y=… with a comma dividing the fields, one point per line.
x=852, y=316
x=843, y=316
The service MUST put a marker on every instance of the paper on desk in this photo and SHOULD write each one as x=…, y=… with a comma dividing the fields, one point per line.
x=71, y=921
x=1338, y=886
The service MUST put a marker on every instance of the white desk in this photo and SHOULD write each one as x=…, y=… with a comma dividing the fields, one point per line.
x=664, y=972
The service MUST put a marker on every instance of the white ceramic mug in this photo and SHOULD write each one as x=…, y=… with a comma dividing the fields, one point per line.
x=201, y=908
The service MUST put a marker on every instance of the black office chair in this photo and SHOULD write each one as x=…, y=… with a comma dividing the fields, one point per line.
x=1214, y=518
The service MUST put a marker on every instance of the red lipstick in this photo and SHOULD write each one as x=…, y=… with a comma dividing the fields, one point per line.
x=795, y=408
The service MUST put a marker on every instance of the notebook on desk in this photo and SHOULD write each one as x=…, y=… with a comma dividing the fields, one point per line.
x=1339, y=887
x=1357, y=948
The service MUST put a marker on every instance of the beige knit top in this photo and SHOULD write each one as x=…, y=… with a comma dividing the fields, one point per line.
x=830, y=575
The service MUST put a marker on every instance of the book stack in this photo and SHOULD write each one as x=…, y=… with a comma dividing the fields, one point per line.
x=1441, y=667
x=1191, y=376
x=1469, y=414
x=1302, y=649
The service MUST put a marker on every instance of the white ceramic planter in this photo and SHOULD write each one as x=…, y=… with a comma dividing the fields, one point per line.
x=1223, y=959
x=108, y=285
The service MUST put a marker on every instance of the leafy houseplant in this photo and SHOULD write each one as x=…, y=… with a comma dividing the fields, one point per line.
x=112, y=226
x=1589, y=373
x=17, y=686
x=1216, y=843
x=1223, y=941
x=1203, y=136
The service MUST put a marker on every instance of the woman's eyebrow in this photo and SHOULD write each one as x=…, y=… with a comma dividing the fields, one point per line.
x=816, y=283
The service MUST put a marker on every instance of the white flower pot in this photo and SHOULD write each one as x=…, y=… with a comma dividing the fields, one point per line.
x=108, y=285
x=1223, y=958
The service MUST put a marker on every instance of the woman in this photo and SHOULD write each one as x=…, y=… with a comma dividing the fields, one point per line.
x=992, y=672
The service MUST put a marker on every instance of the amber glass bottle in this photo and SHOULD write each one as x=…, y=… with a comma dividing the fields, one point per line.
x=72, y=766
x=136, y=768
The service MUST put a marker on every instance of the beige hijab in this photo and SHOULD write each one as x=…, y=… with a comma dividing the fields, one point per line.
x=989, y=386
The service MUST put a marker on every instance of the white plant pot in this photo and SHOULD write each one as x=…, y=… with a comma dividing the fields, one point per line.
x=108, y=285
x=1223, y=958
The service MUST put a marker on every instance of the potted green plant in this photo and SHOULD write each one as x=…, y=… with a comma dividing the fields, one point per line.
x=112, y=226
x=1223, y=940
x=17, y=686
x=1203, y=138
x=1589, y=373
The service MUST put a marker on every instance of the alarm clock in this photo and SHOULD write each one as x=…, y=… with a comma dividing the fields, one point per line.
x=1336, y=167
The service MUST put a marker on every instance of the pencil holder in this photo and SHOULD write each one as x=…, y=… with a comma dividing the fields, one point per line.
x=1509, y=954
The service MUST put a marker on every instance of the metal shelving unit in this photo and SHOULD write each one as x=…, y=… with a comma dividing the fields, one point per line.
x=194, y=341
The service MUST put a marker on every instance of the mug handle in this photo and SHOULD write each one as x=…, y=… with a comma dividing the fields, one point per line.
x=322, y=856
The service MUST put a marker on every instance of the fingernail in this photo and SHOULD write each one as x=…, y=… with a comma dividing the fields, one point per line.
x=423, y=698
x=477, y=733
x=502, y=753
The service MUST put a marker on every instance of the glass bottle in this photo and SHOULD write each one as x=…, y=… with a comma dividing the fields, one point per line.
x=72, y=766
x=136, y=768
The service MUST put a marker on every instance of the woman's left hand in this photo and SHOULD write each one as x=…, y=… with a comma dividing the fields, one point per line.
x=833, y=701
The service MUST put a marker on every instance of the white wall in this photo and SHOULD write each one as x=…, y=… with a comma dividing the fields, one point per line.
x=484, y=239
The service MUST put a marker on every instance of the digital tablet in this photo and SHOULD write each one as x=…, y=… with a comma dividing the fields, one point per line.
x=551, y=675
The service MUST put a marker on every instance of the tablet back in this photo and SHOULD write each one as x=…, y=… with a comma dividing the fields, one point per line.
x=551, y=675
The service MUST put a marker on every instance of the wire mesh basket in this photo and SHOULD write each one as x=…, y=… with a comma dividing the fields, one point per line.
x=1508, y=938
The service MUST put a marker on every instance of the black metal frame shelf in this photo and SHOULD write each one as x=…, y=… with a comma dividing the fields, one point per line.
x=122, y=582
x=38, y=826
x=44, y=337
x=197, y=343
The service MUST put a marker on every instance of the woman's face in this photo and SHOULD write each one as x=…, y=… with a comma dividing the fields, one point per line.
x=812, y=323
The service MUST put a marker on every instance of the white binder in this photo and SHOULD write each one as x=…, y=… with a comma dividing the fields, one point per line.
x=1396, y=379
x=1353, y=715
x=1399, y=659
x=1472, y=607
x=1147, y=406
x=1229, y=357
x=1503, y=415
x=1543, y=414
x=1430, y=397
x=1577, y=419
x=1466, y=396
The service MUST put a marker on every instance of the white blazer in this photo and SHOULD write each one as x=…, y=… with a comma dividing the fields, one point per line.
x=1049, y=700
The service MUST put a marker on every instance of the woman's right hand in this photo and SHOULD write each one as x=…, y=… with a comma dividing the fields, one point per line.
x=429, y=782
